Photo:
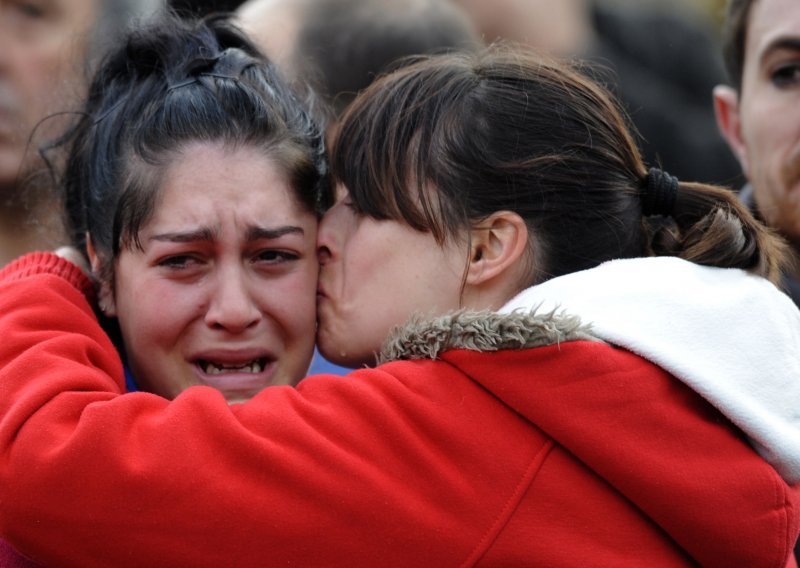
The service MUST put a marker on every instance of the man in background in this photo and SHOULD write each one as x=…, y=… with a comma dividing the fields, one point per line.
x=759, y=112
x=46, y=52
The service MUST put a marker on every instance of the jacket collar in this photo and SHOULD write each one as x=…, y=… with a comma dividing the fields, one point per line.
x=483, y=331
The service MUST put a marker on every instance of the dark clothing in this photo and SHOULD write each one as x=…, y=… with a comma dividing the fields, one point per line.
x=789, y=285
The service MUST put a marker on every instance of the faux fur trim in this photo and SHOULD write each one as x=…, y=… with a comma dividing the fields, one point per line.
x=482, y=331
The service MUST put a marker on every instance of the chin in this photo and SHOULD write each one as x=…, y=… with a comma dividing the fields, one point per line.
x=237, y=399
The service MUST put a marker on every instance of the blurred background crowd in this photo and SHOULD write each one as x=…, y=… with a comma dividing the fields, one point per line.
x=662, y=59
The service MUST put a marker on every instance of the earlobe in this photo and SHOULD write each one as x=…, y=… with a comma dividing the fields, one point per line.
x=105, y=295
x=496, y=248
x=726, y=109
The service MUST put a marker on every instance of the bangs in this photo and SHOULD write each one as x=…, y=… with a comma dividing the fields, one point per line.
x=389, y=146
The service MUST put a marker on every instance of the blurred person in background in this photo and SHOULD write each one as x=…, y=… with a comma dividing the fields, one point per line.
x=660, y=62
x=759, y=112
x=340, y=46
x=46, y=50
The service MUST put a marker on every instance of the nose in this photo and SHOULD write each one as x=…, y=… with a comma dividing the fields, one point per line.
x=323, y=254
x=232, y=307
x=326, y=238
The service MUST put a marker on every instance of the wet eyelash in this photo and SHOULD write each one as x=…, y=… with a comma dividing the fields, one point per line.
x=278, y=256
x=175, y=262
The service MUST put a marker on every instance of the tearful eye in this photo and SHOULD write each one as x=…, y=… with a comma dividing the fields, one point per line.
x=276, y=256
x=177, y=261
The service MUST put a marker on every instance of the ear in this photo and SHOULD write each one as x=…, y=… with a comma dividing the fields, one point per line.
x=497, y=246
x=105, y=294
x=726, y=108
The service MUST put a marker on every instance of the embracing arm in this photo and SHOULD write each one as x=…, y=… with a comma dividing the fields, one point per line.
x=52, y=348
x=370, y=469
x=90, y=476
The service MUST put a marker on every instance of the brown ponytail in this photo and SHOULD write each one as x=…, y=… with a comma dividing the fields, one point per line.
x=710, y=226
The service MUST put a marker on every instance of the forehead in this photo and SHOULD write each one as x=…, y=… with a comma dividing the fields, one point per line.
x=212, y=179
x=771, y=23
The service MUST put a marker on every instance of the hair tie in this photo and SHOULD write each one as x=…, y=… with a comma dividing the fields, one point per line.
x=229, y=64
x=659, y=193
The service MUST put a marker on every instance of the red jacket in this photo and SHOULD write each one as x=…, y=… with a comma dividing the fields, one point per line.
x=569, y=454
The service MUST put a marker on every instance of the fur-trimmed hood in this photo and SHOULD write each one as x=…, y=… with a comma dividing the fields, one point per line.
x=482, y=331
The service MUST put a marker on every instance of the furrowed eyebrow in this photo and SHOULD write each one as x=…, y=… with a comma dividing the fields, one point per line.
x=254, y=233
x=258, y=233
x=204, y=234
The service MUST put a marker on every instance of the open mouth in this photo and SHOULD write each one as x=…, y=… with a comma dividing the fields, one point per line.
x=216, y=368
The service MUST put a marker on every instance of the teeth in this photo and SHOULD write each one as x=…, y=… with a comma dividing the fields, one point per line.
x=216, y=369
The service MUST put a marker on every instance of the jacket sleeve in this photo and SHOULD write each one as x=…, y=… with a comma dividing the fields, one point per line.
x=90, y=476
